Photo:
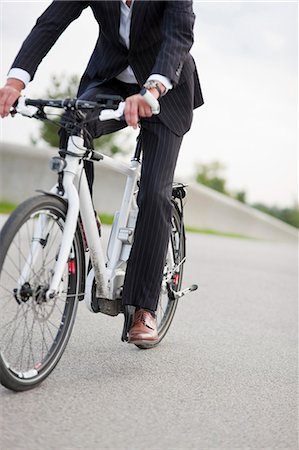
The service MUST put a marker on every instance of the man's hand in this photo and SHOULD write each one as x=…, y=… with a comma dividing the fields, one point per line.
x=9, y=94
x=137, y=107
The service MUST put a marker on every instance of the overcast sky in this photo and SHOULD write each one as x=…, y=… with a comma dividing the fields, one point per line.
x=246, y=53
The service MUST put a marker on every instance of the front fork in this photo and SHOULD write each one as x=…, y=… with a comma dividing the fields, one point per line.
x=68, y=233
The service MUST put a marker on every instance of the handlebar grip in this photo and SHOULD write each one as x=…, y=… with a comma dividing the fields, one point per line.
x=150, y=100
x=24, y=108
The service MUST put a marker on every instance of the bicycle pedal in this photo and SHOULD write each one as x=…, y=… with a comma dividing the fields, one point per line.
x=106, y=306
x=180, y=294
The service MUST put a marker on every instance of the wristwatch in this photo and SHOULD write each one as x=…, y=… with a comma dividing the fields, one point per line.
x=152, y=84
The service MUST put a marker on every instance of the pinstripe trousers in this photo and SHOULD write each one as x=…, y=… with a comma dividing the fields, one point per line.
x=160, y=151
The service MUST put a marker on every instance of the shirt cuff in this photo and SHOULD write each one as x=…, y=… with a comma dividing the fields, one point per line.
x=19, y=74
x=164, y=80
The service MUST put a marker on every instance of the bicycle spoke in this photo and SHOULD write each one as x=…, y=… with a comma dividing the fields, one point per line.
x=7, y=302
x=18, y=270
x=7, y=290
x=16, y=327
x=43, y=338
x=53, y=325
x=14, y=319
x=53, y=338
x=9, y=275
x=30, y=334
x=20, y=251
x=24, y=337
x=58, y=309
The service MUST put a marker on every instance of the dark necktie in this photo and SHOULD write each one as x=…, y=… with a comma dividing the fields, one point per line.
x=128, y=3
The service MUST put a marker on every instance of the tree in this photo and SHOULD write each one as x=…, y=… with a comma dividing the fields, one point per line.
x=208, y=174
x=63, y=86
x=240, y=196
x=288, y=215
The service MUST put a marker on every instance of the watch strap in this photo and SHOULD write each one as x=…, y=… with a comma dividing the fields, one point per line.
x=152, y=84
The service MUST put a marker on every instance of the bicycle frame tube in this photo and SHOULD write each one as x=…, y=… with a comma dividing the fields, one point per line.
x=104, y=275
x=132, y=172
x=92, y=237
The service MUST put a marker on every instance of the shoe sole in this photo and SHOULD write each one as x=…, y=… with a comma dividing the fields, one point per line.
x=143, y=341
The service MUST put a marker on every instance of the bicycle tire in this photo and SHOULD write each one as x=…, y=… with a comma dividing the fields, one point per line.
x=34, y=331
x=166, y=305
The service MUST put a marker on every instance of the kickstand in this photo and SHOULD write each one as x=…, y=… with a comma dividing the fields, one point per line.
x=128, y=316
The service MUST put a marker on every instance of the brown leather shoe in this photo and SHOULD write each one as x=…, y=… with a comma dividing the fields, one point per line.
x=144, y=328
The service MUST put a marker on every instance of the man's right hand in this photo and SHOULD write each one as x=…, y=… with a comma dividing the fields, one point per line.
x=9, y=94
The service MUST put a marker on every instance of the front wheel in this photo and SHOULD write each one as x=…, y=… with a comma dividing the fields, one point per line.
x=34, y=330
x=172, y=278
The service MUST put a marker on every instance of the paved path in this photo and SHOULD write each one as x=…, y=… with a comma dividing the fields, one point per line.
x=223, y=378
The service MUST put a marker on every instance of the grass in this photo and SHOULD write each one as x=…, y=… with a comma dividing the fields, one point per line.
x=217, y=233
x=7, y=207
x=107, y=219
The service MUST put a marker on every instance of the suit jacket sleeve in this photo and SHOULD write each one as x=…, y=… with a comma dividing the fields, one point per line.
x=177, y=40
x=45, y=33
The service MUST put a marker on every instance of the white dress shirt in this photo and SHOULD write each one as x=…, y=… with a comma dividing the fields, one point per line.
x=127, y=76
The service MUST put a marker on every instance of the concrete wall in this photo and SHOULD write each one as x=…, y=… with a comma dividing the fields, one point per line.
x=24, y=169
x=209, y=209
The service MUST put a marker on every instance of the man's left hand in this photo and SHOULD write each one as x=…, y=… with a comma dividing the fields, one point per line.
x=136, y=107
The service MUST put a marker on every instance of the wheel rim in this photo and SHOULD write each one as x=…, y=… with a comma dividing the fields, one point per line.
x=31, y=326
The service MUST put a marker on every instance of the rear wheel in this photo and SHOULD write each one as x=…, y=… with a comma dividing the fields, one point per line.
x=34, y=330
x=172, y=279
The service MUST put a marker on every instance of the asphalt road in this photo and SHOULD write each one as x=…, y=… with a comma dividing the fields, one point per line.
x=225, y=377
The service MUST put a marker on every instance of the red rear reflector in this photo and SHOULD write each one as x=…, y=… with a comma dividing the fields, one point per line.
x=176, y=279
x=72, y=266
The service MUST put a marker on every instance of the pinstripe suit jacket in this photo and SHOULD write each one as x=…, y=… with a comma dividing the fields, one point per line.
x=160, y=39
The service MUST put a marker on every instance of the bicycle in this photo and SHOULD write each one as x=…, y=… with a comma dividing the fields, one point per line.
x=51, y=254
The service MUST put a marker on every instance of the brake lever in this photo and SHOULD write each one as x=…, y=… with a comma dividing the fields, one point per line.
x=13, y=111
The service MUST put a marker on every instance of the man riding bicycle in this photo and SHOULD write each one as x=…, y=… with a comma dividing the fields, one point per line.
x=142, y=51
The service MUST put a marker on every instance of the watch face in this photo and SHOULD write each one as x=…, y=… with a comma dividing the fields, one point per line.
x=150, y=84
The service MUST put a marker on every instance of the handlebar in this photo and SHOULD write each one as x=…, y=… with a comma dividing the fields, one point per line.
x=102, y=102
x=110, y=107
